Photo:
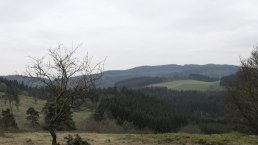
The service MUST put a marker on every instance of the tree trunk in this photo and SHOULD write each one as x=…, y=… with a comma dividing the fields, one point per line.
x=11, y=107
x=53, y=134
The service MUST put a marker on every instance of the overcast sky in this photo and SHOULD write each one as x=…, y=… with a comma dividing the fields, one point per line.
x=129, y=32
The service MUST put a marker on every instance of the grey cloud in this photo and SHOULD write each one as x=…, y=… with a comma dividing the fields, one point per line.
x=130, y=32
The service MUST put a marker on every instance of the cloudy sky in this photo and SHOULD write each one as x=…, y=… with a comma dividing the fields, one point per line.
x=129, y=32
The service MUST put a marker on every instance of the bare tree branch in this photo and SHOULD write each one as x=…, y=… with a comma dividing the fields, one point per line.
x=67, y=77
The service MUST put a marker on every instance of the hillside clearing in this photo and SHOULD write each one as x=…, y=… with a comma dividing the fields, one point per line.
x=26, y=102
x=189, y=85
x=44, y=138
x=20, y=112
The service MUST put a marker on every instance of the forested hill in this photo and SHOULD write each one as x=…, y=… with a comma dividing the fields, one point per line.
x=211, y=70
x=113, y=76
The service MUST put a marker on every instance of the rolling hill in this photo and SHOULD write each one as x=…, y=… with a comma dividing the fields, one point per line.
x=111, y=77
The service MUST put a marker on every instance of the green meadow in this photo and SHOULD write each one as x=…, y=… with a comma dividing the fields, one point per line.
x=189, y=85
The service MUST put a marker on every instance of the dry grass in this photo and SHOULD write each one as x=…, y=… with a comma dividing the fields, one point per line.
x=44, y=138
x=20, y=113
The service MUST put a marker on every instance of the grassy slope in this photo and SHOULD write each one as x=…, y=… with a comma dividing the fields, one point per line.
x=189, y=85
x=43, y=138
x=20, y=113
x=26, y=102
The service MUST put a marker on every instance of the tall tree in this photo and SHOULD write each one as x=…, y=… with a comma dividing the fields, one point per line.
x=68, y=78
x=11, y=96
x=3, y=87
x=242, y=94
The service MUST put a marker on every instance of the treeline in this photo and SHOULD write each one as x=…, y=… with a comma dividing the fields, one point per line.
x=140, y=109
x=193, y=104
x=141, y=82
x=4, y=83
x=157, y=109
x=200, y=77
x=164, y=110
x=138, y=82
x=228, y=80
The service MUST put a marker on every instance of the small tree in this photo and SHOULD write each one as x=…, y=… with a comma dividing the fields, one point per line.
x=65, y=122
x=68, y=79
x=33, y=117
x=242, y=94
x=8, y=120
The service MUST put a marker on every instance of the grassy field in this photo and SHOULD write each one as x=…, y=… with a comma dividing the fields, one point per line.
x=26, y=102
x=189, y=85
x=20, y=112
x=43, y=138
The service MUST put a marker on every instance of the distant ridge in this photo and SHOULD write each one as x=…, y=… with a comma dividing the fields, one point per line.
x=211, y=70
x=113, y=76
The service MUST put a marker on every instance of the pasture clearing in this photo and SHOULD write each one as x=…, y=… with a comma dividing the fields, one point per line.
x=187, y=85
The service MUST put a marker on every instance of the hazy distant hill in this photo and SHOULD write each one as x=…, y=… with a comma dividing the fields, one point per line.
x=113, y=76
x=210, y=70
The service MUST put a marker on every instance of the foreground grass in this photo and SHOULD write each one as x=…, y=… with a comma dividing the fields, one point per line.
x=189, y=85
x=215, y=139
x=43, y=138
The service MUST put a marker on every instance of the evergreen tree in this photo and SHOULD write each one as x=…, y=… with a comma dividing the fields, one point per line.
x=64, y=122
x=33, y=117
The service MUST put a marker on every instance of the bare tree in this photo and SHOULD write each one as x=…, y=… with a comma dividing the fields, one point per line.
x=68, y=78
x=242, y=94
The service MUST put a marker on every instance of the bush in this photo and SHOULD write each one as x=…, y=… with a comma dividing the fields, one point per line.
x=127, y=126
x=191, y=128
x=76, y=140
x=214, y=128
x=103, y=126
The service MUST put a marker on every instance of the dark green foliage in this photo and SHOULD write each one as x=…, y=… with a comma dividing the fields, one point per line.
x=228, y=80
x=63, y=122
x=200, y=77
x=8, y=120
x=14, y=83
x=33, y=117
x=142, y=110
x=99, y=114
x=77, y=140
x=138, y=82
x=242, y=95
x=195, y=105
